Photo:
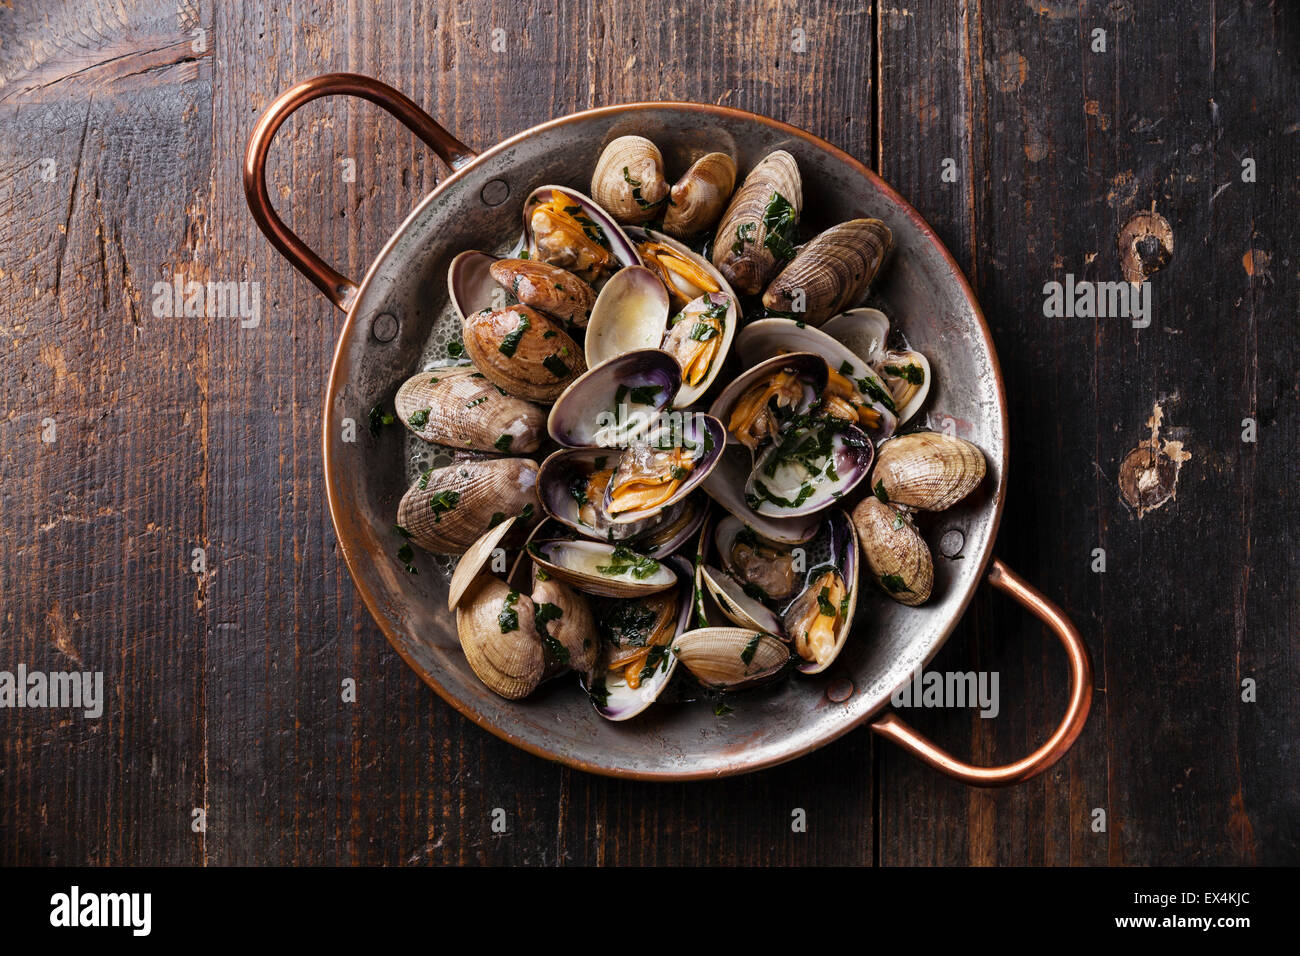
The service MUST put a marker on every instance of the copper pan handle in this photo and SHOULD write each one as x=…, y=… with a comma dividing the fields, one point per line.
x=896, y=729
x=337, y=287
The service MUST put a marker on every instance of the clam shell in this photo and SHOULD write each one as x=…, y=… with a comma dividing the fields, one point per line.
x=894, y=369
x=628, y=180
x=604, y=407
x=556, y=479
x=725, y=537
x=673, y=527
x=578, y=563
x=685, y=289
x=725, y=485
x=862, y=331
x=700, y=195
x=741, y=609
x=547, y=288
x=458, y=502
x=630, y=314
x=681, y=338
x=832, y=271
x=731, y=658
x=810, y=367
x=574, y=630
x=537, y=364
x=622, y=702
x=470, y=284
x=928, y=470
x=460, y=408
x=546, y=248
x=894, y=551
x=510, y=664
x=692, y=431
x=844, y=553
x=775, y=486
x=767, y=337
x=740, y=250
x=472, y=562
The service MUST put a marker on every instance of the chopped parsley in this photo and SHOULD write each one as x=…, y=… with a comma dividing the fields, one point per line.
x=555, y=366
x=419, y=418
x=824, y=602
x=912, y=374
x=455, y=349
x=503, y=443
x=702, y=332
x=509, y=617
x=747, y=655
x=894, y=584
x=441, y=502
x=627, y=561
x=378, y=419
x=511, y=340
x=871, y=388
x=779, y=222
x=880, y=491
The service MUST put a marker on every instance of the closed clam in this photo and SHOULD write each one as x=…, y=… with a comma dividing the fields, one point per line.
x=629, y=181
x=895, y=552
x=757, y=231
x=547, y=288
x=495, y=624
x=523, y=351
x=831, y=272
x=927, y=470
x=731, y=658
x=564, y=624
x=700, y=195
x=457, y=406
x=448, y=508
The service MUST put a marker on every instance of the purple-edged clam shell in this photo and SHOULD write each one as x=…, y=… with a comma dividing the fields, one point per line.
x=619, y=244
x=844, y=546
x=470, y=286
x=615, y=402
x=621, y=702
x=810, y=367
x=702, y=433
x=567, y=469
x=726, y=484
x=793, y=488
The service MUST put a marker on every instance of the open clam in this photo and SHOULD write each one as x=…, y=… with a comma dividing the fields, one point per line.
x=631, y=313
x=808, y=468
x=777, y=389
x=610, y=570
x=636, y=638
x=457, y=406
x=758, y=229
x=905, y=373
x=831, y=272
x=572, y=484
x=861, y=396
x=616, y=401
x=664, y=467
x=566, y=229
x=725, y=485
x=470, y=284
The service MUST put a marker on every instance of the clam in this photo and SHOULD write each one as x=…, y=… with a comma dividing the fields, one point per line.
x=684, y=274
x=894, y=550
x=631, y=313
x=755, y=404
x=496, y=627
x=522, y=351
x=449, y=508
x=636, y=637
x=831, y=272
x=725, y=485
x=808, y=468
x=564, y=624
x=855, y=392
x=739, y=606
x=757, y=230
x=673, y=526
x=547, y=288
x=905, y=373
x=616, y=401
x=629, y=181
x=566, y=229
x=661, y=469
x=700, y=195
x=609, y=570
x=698, y=338
x=927, y=470
x=571, y=485
x=457, y=406
x=766, y=570
x=470, y=284
x=731, y=658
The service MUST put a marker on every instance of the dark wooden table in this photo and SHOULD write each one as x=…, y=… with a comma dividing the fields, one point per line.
x=123, y=129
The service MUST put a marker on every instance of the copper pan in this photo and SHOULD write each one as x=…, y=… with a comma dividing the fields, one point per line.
x=388, y=319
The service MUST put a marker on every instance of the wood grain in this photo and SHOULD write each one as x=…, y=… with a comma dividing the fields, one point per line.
x=225, y=687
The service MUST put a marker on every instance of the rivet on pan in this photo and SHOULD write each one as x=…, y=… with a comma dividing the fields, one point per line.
x=494, y=192
x=384, y=327
x=839, y=690
x=951, y=543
